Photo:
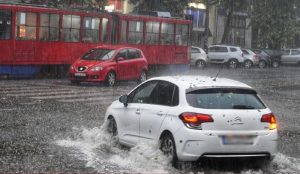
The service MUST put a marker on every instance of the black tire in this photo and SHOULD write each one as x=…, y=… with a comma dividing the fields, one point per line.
x=75, y=82
x=112, y=128
x=248, y=64
x=111, y=79
x=168, y=147
x=232, y=64
x=262, y=64
x=275, y=64
x=143, y=77
x=200, y=64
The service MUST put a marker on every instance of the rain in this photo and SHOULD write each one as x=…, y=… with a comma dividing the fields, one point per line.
x=51, y=121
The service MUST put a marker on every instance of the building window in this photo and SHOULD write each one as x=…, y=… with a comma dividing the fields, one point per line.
x=5, y=24
x=49, y=27
x=104, y=31
x=135, y=32
x=152, y=32
x=197, y=16
x=90, y=31
x=70, y=28
x=182, y=33
x=26, y=26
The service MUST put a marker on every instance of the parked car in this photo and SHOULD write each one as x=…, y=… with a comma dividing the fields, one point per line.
x=250, y=58
x=290, y=56
x=268, y=57
x=230, y=55
x=198, y=57
x=195, y=117
x=110, y=64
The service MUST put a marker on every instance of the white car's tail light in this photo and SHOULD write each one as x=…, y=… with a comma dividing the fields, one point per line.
x=194, y=120
x=270, y=118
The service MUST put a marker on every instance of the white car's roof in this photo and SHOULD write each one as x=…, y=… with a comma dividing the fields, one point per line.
x=224, y=46
x=195, y=82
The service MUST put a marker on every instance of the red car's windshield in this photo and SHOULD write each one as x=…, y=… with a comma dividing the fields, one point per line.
x=99, y=54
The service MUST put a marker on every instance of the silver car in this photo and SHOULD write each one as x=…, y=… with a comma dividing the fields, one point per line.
x=230, y=55
x=290, y=56
x=198, y=57
x=250, y=58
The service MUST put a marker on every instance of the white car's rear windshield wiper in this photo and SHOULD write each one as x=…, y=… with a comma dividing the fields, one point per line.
x=242, y=107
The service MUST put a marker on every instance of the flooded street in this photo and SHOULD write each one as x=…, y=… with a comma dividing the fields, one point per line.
x=49, y=125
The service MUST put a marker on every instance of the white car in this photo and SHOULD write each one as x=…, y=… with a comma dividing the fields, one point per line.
x=194, y=117
x=250, y=58
x=290, y=56
x=224, y=54
x=198, y=57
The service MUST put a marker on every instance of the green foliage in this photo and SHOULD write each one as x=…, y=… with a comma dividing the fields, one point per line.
x=175, y=7
x=275, y=21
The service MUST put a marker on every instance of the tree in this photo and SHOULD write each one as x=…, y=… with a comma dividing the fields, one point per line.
x=175, y=7
x=230, y=7
x=275, y=22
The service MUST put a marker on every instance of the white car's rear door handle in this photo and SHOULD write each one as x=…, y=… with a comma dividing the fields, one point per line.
x=138, y=112
x=160, y=113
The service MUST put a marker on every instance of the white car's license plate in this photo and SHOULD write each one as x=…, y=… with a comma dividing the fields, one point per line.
x=237, y=139
x=80, y=74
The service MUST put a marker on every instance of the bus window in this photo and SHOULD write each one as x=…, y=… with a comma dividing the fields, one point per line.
x=104, y=31
x=49, y=27
x=135, y=32
x=182, y=34
x=152, y=32
x=5, y=24
x=26, y=26
x=90, y=32
x=70, y=28
x=123, y=32
x=167, y=33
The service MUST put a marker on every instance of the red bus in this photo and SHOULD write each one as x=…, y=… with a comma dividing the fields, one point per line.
x=37, y=39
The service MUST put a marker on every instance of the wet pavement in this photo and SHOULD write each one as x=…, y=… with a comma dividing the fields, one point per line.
x=49, y=125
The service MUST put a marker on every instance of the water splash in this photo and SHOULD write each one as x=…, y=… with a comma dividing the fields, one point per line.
x=101, y=153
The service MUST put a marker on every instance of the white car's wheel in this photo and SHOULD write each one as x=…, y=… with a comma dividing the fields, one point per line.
x=200, y=64
x=168, y=147
x=232, y=63
x=248, y=64
x=112, y=130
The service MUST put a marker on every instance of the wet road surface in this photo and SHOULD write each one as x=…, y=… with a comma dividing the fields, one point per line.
x=49, y=125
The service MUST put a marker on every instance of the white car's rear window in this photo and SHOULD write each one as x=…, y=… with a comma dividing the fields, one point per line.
x=224, y=98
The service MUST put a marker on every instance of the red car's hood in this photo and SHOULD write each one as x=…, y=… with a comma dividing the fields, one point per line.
x=87, y=63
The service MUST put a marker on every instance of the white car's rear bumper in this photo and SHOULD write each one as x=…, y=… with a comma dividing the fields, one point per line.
x=193, y=144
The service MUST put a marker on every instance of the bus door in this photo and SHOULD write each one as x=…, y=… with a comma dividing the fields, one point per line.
x=167, y=44
x=182, y=49
x=6, y=44
x=26, y=34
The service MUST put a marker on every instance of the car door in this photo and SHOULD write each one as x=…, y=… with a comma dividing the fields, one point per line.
x=137, y=99
x=125, y=68
x=285, y=58
x=164, y=97
x=295, y=56
x=134, y=59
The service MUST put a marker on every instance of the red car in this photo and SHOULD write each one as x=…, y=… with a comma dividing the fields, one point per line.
x=110, y=64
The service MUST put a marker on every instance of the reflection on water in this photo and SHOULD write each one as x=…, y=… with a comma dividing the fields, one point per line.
x=95, y=147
